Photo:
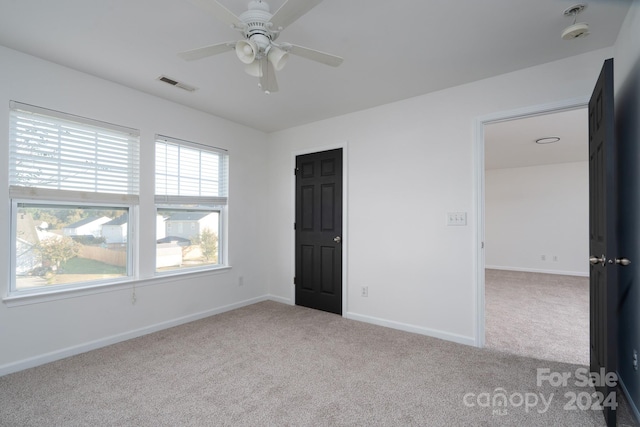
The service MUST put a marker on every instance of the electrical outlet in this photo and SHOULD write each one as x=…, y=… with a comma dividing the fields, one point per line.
x=240, y=281
x=543, y=257
x=635, y=359
x=364, y=291
x=555, y=258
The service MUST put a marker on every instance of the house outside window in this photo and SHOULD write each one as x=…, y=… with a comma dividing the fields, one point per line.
x=191, y=204
x=70, y=177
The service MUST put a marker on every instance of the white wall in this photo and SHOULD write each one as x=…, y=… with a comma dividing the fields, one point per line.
x=35, y=333
x=627, y=47
x=535, y=211
x=409, y=163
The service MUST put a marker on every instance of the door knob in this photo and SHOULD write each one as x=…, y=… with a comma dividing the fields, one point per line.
x=595, y=260
x=337, y=239
x=622, y=261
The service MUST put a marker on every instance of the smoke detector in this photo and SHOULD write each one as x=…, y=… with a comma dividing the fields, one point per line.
x=575, y=30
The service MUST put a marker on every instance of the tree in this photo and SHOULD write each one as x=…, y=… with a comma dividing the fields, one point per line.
x=70, y=216
x=56, y=251
x=208, y=242
x=44, y=215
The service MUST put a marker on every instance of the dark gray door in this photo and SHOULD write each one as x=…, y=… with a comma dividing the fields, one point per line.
x=319, y=231
x=603, y=237
x=628, y=140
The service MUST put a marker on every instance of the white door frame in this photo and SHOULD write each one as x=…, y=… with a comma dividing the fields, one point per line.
x=535, y=110
x=345, y=237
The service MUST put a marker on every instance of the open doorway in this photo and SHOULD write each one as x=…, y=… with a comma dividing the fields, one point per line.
x=536, y=236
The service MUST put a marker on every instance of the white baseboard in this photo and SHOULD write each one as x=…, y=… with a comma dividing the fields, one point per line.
x=632, y=405
x=460, y=339
x=103, y=342
x=280, y=299
x=536, y=270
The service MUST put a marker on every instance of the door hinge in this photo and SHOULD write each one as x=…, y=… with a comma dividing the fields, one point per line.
x=295, y=282
x=295, y=171
x=482, y=245
x=295, y=226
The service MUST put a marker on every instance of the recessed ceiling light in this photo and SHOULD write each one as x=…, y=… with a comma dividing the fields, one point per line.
x=547, y=140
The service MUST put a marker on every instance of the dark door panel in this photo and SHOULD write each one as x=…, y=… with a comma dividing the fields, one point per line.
x=603, y=236
x=319, y=231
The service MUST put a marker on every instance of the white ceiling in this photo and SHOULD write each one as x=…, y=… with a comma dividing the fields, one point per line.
x=392, y=50
x=512, y=144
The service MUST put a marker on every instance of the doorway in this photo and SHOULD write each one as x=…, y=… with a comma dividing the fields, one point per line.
x=534, y=198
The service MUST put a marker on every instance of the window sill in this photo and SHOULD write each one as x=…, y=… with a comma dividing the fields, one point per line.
x=46, y=295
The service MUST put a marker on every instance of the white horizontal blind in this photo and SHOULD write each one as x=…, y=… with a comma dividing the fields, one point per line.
x=53, y=152
x=190, y=173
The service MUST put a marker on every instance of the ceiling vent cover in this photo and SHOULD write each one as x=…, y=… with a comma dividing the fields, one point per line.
x=176, y=83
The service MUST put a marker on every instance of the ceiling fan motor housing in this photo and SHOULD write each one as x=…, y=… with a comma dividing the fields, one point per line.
x=259, y=37
x=258, y=29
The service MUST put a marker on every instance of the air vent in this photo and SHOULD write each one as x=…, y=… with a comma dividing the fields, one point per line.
x=176, y=83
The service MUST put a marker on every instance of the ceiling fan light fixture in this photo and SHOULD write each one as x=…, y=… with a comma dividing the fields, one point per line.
x=254, y=69
x=246, y=51
x=277, y=57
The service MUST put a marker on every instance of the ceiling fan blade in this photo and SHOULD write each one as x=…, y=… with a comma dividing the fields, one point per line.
x=315, y=55
x=292, y=10
x=268, y=82
x=219, y=12
x=203, y=52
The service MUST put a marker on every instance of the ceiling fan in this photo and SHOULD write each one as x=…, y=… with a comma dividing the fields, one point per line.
x=258, y=49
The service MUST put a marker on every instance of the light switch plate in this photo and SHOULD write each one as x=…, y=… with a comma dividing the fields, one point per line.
x=456, y=218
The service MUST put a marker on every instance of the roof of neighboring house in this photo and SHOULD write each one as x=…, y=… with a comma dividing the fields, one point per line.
x=187, y=216
x=26, y=228
x=85, y=221
x=171, y=239
x=121, y=220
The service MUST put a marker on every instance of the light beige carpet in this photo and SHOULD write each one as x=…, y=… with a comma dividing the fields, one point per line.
x=538, y=315
x=271, y=364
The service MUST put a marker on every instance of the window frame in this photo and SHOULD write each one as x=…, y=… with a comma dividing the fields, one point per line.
x=20, y=192
x=132, y=247
x=218, y=203
x=222, y=258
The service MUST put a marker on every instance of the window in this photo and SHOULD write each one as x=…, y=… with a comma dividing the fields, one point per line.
x=191, y=201
x=74, y=185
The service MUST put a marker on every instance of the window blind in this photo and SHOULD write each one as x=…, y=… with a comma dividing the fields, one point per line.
x=190, y=173
x=60, y=156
